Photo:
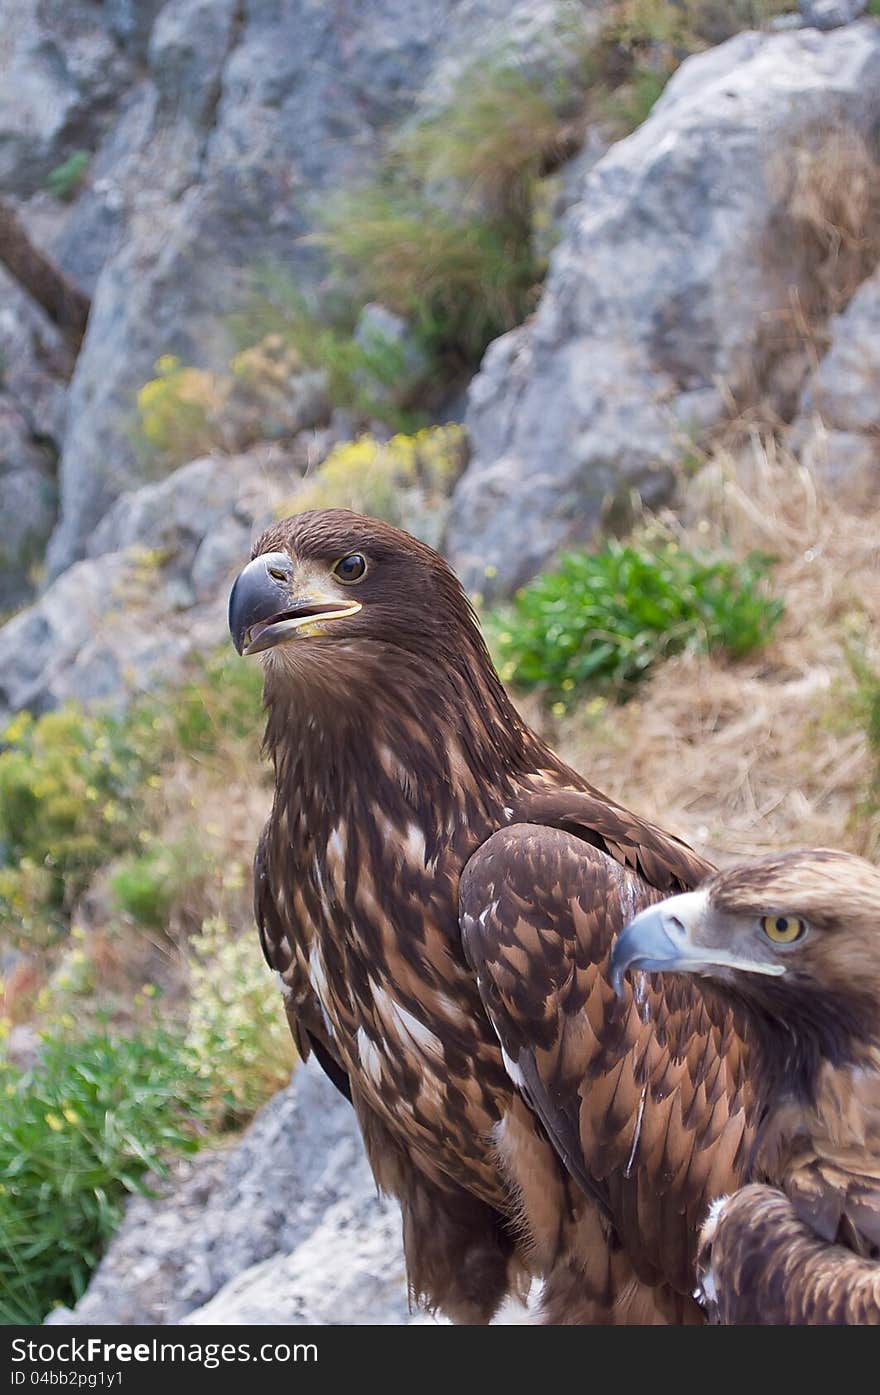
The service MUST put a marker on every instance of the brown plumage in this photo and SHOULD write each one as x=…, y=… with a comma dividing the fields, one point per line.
x=791, y=944
x=439, y=893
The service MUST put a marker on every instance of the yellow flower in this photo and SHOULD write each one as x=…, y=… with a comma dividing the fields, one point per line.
x=70, y=1115
x=55, y=1124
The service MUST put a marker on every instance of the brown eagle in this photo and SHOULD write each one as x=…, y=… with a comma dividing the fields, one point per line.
x=792, y=943
x=439, y=893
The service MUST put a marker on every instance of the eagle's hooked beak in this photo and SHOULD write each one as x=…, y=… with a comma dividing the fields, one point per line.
x=263, y=611
x=666, y=939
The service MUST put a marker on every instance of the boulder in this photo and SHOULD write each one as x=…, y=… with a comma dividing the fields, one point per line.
x=154, y=589
x=831, y=14
x=844, y=389
x=663, y=301
x=284, y=1226
x=837, y=431
x=34, y=367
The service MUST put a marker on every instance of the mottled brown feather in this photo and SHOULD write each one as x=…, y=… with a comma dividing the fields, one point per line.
x=761, y=1264
x=648, y=1116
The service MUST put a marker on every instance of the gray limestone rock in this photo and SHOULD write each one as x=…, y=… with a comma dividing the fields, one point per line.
x=671, y=268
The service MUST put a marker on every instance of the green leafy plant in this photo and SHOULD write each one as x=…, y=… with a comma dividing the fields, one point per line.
x=78, y=1132
x=66, y=179
x=602, y=620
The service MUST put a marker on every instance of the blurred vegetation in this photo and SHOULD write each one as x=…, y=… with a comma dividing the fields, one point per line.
x=179, y=411
x=372, y=379
x=603, y=620
x=69, y=786
x=237, y=1033
x=405, y=481
x=862, y=707
x=65, y=181
x=104, y=1110
x=113, y=1096
x=146, y=885
x=75, y=788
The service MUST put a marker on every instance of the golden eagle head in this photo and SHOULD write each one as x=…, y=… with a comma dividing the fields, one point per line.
x=795, y=936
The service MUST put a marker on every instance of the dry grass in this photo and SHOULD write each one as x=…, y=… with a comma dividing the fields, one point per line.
x=832, y=181
x=742, y=758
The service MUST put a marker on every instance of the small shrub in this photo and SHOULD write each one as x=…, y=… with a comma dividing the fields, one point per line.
x=365, y=379
x=460, y=281
x=494, y=136
x=238, y=1034
x=76, y=791
x=180, y=411
x=632, y=103
x=406, y=481
x=69, y=784
x=149, y=885
x=830, y=187
x=219, y=704
x=78, y=1133
x=66, y=179
x=602, y=620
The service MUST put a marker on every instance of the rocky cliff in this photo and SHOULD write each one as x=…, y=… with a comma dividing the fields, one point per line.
x=717, y=268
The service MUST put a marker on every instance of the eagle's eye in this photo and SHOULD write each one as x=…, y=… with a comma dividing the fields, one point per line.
x=783, y=929
x=350, y=568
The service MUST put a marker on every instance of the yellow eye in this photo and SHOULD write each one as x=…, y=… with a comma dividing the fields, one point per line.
x=783, y=929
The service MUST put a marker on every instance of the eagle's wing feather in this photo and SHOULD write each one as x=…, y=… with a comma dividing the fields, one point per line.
x=838, y=1203
x=659, y=858
x=761, y=1263
x=645, y=1098
x=304, y=1014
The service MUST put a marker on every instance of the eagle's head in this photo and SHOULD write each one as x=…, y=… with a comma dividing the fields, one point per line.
x=794, y=936
x=356, y=620
x=330, y=575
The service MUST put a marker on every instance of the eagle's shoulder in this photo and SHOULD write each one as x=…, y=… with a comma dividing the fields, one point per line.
x=658, y=857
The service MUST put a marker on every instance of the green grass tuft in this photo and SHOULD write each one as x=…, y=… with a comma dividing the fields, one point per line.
x=66, y=179
x=603, y=620
x=78, y=1133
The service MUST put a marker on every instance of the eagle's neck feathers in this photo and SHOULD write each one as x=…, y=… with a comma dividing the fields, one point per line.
x=817, y=1070
x=438, y=744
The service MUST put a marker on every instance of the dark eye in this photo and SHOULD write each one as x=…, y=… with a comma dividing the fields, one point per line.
x=783, y=929
x=351, y=568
